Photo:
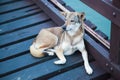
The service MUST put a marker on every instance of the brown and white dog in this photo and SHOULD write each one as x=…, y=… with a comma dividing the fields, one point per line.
x=63, y=40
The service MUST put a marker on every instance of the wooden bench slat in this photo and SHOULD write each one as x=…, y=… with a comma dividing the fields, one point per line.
x=23, y=46
x=19, y=63
x=80, y=74
x=3, y=1
x=43, y=69
x=15, y=49
x=20, y=13
x=15, y=37
x=14, y=6
x=7, y=1
x=22, y=23
x=8, y=21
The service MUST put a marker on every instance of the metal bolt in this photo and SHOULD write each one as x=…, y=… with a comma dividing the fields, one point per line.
x=111, y=69
x=114, y=14
x=106, y=64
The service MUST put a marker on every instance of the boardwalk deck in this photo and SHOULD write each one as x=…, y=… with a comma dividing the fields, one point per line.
x=20, y=22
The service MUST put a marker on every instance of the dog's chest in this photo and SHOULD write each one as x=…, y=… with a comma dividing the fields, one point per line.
x=71, y=45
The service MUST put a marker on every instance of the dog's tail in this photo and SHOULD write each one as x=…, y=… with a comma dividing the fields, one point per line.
x=36, y=52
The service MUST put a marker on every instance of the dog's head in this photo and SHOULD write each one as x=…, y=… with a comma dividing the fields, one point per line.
x=73, y=20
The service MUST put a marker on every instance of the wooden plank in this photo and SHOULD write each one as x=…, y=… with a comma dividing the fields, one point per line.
x=14, y=6
x=34, y=12
x=79, y=73
x=23, y=23
x=116, y=3
x=115, y=39
x=20, y=13
x=4, y=2
x=50, y=10
x=106, y=9
x=115, y=44
x=21, y=35
x=44, y=69
x=20, y=63
x=15, y=50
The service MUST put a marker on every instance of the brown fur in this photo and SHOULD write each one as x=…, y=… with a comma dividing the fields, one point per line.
x=47, y=38
x=50, y=37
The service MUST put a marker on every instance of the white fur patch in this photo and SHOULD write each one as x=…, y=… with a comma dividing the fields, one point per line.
x=60, y=62
x=88, y=69
x=68, y=52
x=66, y=46
x=50, y=53
x=73, y=28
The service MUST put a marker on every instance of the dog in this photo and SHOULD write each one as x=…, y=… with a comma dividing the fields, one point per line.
x=64, y=40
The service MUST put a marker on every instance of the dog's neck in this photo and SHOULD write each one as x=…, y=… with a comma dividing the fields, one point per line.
x=77, y=33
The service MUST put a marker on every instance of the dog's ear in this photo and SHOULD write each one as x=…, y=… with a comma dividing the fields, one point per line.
x=81, y=15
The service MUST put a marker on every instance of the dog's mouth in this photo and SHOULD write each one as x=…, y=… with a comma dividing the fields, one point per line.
x=69, y=28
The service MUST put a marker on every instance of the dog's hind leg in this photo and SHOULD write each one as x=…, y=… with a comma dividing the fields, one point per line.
x=60, y=55
x=82, y=49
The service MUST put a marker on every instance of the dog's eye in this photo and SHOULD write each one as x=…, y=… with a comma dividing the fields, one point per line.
x=72, y=20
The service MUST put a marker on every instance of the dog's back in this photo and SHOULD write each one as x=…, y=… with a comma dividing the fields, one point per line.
x=56, y=31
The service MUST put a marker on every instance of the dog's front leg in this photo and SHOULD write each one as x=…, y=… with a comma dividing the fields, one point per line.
x=60, y=55
x=82, y=49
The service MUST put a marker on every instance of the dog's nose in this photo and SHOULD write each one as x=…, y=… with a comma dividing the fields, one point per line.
x=63, y=27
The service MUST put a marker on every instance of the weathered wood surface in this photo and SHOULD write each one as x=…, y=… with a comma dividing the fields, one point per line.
x=20, y=22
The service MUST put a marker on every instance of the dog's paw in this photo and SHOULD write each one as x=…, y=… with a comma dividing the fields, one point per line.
x=60, y=62
x=50, y=53
x=89, y=70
